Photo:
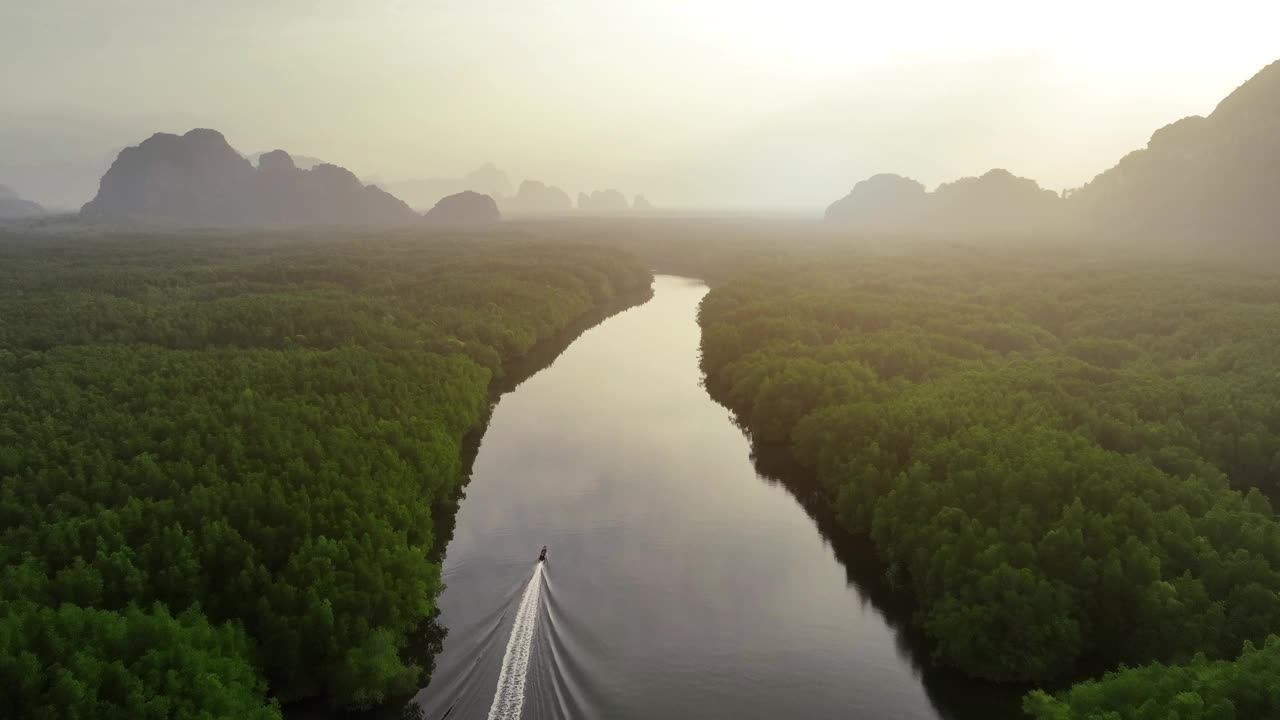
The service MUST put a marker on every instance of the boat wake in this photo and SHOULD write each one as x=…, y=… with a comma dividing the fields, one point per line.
x=508, y=699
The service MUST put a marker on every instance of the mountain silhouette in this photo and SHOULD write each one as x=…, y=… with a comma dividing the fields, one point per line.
x=464, y=208
x=1212, y=178
x=199, y=179
x=534, y=197
x=13, y=207
x=306, y=162
x=603, y=201
x=881, y=202
x=996, y=203
x=324, y=195
x=424, y=193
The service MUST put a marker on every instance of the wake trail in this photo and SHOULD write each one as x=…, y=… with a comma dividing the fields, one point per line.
x=508, y=699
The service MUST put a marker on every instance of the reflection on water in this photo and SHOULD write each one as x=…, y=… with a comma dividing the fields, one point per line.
x=427, y=642
x=688, y=574
x=679, y=584
x=953, y=695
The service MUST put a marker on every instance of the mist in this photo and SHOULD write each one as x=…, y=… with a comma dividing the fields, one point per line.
x=690, y=358
x=696, y=105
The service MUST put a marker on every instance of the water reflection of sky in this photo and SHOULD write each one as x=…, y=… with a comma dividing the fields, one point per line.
x=680, y=584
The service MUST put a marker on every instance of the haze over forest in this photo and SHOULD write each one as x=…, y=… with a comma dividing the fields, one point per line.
x=907, y=360
x=706, y=104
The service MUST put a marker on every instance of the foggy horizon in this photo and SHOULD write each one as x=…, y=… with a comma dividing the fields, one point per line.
x=698, y=105
x=715, y=359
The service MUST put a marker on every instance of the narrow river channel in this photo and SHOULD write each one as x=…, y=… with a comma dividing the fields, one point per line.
x=680, y=581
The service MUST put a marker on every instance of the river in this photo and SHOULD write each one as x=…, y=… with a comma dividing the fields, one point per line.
x=681, y=581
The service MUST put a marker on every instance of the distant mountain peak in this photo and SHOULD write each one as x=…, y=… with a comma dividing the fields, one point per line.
x=535, y=197
x=199, y=179
x=1204, y=179
x=464, y=208
x=487, y=179
x=303, y=162
x=13, y=206
x=1258, y=96
x=205, y=135
x=994, y=203
x=603, y=201
x=276, y=161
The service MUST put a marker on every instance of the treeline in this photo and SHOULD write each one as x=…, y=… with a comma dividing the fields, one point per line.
x=219, y=456
x=1240, y=689
x=1067, y=460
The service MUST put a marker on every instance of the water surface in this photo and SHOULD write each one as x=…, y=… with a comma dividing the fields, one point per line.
x=680, y=582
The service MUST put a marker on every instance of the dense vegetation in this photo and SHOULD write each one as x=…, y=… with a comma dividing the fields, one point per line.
x=1067, y=461
x=219, y=456
x=1245, y=688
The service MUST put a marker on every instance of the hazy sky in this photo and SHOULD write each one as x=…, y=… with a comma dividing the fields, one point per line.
x=693, y=102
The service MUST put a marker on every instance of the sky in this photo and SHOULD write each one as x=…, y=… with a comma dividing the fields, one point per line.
x=695, y=103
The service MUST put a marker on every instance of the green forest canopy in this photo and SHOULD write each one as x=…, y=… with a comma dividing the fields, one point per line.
x=219, y=455
x=1066, y=459
x=1245, y=688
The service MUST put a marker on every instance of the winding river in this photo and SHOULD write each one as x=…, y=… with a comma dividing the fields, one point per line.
x=682, y=580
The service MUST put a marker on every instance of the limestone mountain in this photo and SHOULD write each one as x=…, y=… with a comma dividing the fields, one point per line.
x=424, y=193
x=1213, y=178
x=603, y=201
x=998, y=203
x=464, y=208
x=881, y=202
x=324, y=195
x=306, y=162
x=13, y=207
x=1203, y=179
x=196, y=178
x=534, y=198
x=199, y=179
